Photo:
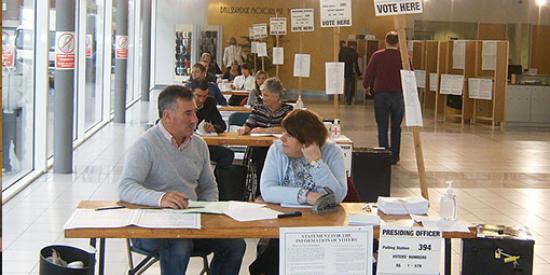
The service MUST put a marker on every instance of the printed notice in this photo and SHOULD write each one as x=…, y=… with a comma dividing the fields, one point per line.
x=420, y=76
x=335, y=13
x=65, y=47
x=413, y=113
x=451, y=84
x=260, y=30
x=277, y=26
x=479, y=88
x=459, y=54
x=409, y=250
x=121, y=46
x=393, y=7
x=254, y=47
x=434, y=80
x=251, y=33
x=489, y=55
x=278, y=56
x=302, y=63
x=301, y=20
x=261, y=48
x=334, y=78
x=325, y=250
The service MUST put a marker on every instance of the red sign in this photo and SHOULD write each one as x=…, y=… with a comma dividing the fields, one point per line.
x=65, y=44
x=89, y=46
x=121, y=42
x=8, y=56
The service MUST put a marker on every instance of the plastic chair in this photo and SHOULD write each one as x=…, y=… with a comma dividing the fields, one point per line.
x=238, y=118
x=153, y=257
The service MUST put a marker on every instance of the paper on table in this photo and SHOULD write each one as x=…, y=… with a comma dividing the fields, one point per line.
x=168, y=218
x=413, y=113
x=451, y=84
x=445, y=226
x=420, y=76
x=252, y=214
x=459, y=54
x=363, y=219
x=89, y=218
x=334, y=78
x=260, y=135
x=278, y=56
x=302, y=65
x=261, y=47
x=201, y=130
x=290, y=205
x=489, y=55
x=434, y=80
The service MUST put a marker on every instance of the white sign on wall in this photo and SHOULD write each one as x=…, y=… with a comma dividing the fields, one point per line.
x=302, y=63
x=334, y=78
x=335, y=13
x=278, y=55
x=260, y=30
x=325, y=250
x=301, y=20
x=277, y=26
x=406, y=250
x=394, y=7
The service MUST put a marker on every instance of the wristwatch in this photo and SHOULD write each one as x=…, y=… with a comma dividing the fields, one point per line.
x=314, y=163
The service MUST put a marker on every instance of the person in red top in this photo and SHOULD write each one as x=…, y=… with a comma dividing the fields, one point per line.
x=382, y=78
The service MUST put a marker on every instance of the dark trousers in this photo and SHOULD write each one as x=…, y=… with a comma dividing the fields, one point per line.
x=349, y=88
x=258, y=154
x=388, y=107
x=222, y=156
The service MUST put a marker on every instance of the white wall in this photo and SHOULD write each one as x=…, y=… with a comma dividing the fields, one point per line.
x=166, y=15
x=485, y=11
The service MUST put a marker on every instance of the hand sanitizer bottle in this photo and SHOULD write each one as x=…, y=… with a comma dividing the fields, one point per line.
x=299, y=103
x=336, y=128
x=447, y=204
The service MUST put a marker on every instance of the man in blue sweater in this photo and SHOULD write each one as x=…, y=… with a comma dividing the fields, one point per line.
x=199, y=72
x=167, y=167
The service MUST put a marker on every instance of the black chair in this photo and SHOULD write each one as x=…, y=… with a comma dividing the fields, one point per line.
x=153, y=257
x=238, y=118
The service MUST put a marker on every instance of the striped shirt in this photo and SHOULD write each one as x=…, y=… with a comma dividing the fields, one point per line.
x=263, y=117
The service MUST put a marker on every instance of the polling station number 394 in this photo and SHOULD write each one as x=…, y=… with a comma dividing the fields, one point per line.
x=424, y=247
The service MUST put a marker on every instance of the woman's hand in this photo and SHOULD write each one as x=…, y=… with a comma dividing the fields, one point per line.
x=311, y=152
x=258, y=130
x=241, y=131
x=312, y=197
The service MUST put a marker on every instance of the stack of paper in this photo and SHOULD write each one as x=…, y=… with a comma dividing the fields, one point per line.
x=403, y=205
x=363, y=219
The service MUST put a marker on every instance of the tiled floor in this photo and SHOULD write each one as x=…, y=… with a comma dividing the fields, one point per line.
x=500, y=177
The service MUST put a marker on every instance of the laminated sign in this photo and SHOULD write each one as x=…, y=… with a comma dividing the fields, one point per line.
x=65, y=44
x=121, y=46
x=395, y=7
x=335, y=13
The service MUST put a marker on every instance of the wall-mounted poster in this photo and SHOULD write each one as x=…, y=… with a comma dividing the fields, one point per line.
x=183, y=52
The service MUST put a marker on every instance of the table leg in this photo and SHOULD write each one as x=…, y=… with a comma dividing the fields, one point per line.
x=448, y=254
x=101, y=256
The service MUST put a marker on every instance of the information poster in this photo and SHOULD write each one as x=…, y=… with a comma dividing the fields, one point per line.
x=254, y=47
x=459, y=54
x=420, y=76
x=479, y=88
x=434, y=80
x=451, y=84
x=301, y=20
x=334, y=78
x=260, y=30
x=409, y=250
x=278, y=55
x=413, y=113
x=302, y=64
x=277, y=26
x=489, y=55
x=251, y=33
x=394, y=7
x=65, y=47
x=261, y=49
x=325, y=250
x=335, y=13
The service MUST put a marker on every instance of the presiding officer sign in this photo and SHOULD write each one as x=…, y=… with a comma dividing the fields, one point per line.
x=394, y=7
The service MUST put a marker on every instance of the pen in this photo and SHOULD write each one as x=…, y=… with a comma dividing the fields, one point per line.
x=109, y=208
x=192, y=207
x=290, y=214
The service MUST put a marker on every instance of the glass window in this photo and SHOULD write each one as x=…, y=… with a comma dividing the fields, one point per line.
x=94, y=66
x=17, y=90
x=113, y=60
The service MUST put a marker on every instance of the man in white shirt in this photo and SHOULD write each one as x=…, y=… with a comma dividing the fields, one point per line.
x=233, y=52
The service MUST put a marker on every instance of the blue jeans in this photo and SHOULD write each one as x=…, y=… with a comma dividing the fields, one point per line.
x=388, y=106
x=175, y=253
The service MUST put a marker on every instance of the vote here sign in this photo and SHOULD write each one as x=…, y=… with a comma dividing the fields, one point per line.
x=395, y=7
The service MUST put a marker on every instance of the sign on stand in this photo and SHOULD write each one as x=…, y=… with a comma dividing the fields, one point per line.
x=395, y=7
x=260, y=30
x=65, y=47
x=277, y=26
x=301, y=20
x=325, y=250
x=409, y=250
x=335, y=13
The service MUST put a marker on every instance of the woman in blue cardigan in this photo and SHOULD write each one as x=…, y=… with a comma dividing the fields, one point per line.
x=303, y=162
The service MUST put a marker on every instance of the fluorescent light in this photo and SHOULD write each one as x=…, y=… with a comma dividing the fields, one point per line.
x=541, y=2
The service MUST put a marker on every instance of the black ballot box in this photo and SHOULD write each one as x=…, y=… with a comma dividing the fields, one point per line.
x=371, y=172
x=498, y=250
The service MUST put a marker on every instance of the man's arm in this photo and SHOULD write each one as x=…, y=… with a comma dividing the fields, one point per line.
x=215, y=117
x=368, y=77
x=217, y=94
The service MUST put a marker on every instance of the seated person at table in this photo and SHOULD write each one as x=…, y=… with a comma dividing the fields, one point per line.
x=245, y=81
x=254, y=97
x=199, y=72
x=230, y=74
x=167, y=167
x=266, y=118
x=303, y=162
x=213, y=67
x=213, y=122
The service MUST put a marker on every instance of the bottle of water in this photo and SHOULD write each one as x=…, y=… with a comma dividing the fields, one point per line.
x=299, y=103
x=447, y=204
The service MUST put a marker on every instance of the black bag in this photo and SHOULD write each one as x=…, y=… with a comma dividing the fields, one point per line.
x=267, y=261
x=231, y=182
